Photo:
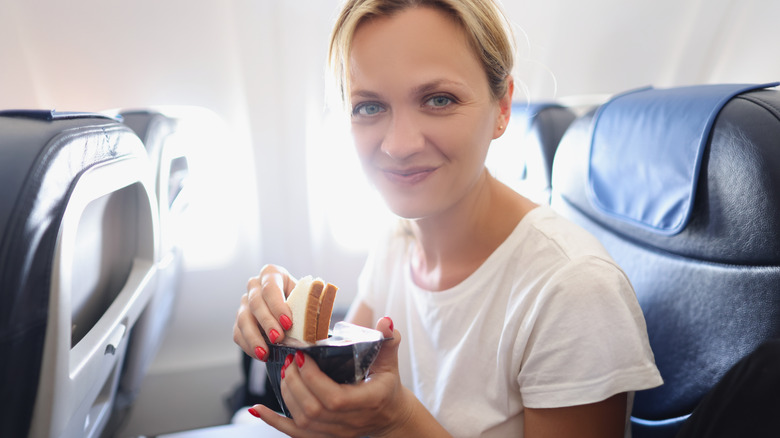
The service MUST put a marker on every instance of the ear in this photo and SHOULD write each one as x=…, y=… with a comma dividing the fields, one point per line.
x=504, y=108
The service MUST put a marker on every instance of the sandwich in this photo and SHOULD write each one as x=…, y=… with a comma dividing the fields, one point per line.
x=311, y=302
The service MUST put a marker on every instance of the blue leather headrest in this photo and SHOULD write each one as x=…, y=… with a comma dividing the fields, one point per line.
x=637, y=129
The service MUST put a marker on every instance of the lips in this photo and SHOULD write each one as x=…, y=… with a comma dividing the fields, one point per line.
x=408, y=176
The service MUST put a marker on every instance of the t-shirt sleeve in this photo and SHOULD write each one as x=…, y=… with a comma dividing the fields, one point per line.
x=588, y=340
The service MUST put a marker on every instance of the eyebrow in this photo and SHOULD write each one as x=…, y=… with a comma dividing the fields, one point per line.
x=416, y=91
x=364, y=94
x=434, y=85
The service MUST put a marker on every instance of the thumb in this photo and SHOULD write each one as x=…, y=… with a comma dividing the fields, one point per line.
x=387, y=359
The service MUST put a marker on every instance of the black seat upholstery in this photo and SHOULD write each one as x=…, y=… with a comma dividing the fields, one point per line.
x=707, y=273
x=78, y=228
x=170, y=166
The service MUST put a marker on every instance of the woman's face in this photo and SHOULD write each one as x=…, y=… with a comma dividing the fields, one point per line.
x=422, y=111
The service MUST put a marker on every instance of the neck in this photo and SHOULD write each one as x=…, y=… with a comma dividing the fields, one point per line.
x=454, y=243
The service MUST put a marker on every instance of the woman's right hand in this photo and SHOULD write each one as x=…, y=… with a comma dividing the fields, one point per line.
x=263, y=307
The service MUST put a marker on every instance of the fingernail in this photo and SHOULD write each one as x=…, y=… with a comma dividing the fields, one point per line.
x=285, y=321
x=287, y=361
x=273, y=334
x=299, y=358
x=260, y=353
x=254, y=412
x=391, y=323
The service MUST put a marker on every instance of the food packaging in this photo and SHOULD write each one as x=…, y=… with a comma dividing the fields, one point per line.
x=345, y=356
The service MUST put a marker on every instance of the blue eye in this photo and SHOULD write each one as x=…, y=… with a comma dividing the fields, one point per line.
x=367, y=109
x=439, y=101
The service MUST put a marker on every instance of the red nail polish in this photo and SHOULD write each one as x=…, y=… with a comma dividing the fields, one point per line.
x=260, y=353
x=285, y=321
x=391, y=323
x=299, y=358
x=273, y=335
x=287, y=361
x=254, y=412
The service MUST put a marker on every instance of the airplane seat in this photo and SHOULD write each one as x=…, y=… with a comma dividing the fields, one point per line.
x=532, y=137
x=78, y=224
x=682, y=186
x=170, y=168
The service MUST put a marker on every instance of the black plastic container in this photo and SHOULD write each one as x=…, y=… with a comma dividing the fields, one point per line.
x=345, y=356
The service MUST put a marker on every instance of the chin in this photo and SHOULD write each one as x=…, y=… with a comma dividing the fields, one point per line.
x=411, y=204
x=409, y=209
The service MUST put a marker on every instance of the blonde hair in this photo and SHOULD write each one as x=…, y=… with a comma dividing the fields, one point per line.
x=483, y=21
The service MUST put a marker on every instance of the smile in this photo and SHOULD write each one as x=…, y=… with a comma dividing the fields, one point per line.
x=408, y=176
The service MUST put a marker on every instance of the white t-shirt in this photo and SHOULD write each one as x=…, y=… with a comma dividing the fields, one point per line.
x=548, y=320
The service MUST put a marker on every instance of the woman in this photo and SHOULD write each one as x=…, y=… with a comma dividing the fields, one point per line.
x=514, y=321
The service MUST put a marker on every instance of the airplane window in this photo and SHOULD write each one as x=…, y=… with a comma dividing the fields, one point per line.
x=218, y=187
x=351, y=211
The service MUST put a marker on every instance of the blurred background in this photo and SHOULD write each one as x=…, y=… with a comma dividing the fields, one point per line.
x=274, y=178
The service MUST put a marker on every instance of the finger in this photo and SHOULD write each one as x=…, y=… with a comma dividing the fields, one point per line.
x=302, y=404
x=266, y=294
x=246, y=333
x=351, y=402
x=387, y=359
x=276, y=284
x=259, y=311
x=242, y=342
x=309, y=411
x=257, y=318
x=279, y=422
x=386, y=326
x=321, y=387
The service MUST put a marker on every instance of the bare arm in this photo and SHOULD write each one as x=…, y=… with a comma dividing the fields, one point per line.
x=604, y=419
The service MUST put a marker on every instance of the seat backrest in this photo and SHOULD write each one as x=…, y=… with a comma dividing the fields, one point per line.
x=169, y=158
x=682, y=186
x=79, y=225
x=529, y=144
x=170, y=165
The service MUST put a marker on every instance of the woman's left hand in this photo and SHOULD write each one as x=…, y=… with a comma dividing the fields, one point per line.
x=322, y=407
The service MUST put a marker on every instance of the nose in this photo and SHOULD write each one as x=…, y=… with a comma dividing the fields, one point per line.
x=404, y=136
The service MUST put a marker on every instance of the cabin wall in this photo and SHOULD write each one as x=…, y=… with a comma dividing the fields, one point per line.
x=259, y=65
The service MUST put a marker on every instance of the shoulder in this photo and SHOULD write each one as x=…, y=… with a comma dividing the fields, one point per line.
x=553, y=256
x=546, y=243
x=552, y=230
